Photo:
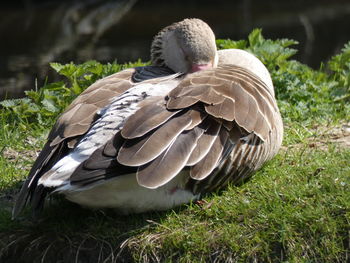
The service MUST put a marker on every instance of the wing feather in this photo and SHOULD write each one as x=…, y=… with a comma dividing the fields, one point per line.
x=78, y=117
x=204, y=143
x=205, y=166
x=167, y=165
x=231, y=94
x=197, y=117
x=192, y=95
x=146, y=119
x=141, y=150
x=74, y=122
x=98, y=167
x=224, y=110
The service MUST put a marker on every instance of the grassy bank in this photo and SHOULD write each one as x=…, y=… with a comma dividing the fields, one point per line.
x=295, y=209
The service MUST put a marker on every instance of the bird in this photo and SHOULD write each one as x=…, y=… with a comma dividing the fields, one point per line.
x=155, y=137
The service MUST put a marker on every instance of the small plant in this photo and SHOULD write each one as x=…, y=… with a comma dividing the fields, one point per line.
x=302, y=92
x=340, y=65
x=44, y=104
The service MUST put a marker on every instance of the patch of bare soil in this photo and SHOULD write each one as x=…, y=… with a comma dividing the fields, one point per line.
x=21, y=155
x=22, y=159
x=339, y=135
x=323, y=136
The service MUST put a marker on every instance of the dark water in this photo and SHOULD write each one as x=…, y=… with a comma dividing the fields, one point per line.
x=34, y=33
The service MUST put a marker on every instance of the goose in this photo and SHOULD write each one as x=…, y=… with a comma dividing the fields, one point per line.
x=155, y=137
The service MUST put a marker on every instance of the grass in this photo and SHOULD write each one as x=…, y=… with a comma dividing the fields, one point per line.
x=286, y=213
x=295, y=209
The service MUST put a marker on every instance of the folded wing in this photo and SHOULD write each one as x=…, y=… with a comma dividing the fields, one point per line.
x=75, y=121
x=215, y=124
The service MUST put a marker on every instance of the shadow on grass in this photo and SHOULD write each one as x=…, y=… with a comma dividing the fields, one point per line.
x=67, y=232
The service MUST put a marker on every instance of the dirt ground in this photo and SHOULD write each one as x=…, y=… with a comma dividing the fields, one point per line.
x=323, y=136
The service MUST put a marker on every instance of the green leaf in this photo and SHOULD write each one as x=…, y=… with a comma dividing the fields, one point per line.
x=227, y=43
x=56, y=66
x=49, y=105
x=255, y=37
x=8, y=103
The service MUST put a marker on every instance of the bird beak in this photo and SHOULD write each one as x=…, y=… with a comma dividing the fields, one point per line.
x=198, y=67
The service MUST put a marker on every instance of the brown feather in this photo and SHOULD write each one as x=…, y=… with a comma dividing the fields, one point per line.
x=72, y=142
x=243, y=103
x=102, y=89
x=204, y=167
x=167, y=165
x=224, y=110
x=181, y=102
x=229, y=93
x=205, y=142
x=98, y=167
x=252, y=85
x=228, y=124
x=142, y=150
x=78, y=117
x=146, y=119
x=193, y=94
x=197, y=117
x=194, y=79
x=97, y=160
x=75, y=122
x=27, y=187
x=262, y=127
x=112, y=146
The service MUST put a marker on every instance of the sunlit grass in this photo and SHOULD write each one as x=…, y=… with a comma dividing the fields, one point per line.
x=296, y=207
